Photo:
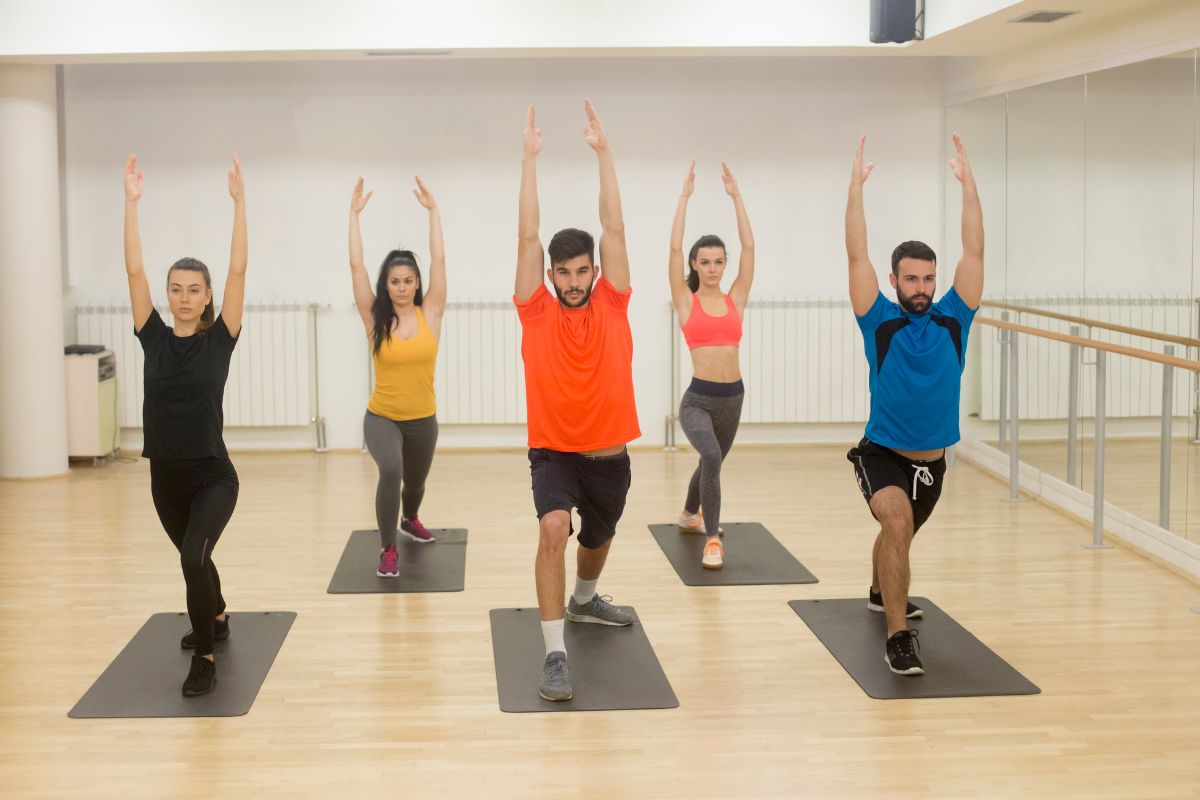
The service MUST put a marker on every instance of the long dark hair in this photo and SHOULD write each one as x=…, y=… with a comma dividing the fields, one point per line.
x=693, y=278
x=208, y=316
x=382, y=312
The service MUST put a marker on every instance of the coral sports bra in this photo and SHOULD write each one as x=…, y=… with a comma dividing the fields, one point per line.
x=704, y=330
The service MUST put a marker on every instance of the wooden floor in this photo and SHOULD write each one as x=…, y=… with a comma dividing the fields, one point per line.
x=394, y=696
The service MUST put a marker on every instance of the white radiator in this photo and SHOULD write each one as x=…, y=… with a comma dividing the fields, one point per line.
x=801, y=361
x=480, y=378
x=271, y=376
x=1133, y=387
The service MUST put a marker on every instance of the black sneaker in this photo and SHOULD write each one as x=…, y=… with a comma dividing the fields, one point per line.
x=901, y=654
x=875, y=603
x=202, y=677
x=220, y=634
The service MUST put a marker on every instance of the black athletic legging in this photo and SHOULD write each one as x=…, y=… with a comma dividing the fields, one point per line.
x=194, y=498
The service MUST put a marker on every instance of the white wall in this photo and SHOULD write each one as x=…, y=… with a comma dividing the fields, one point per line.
x=305, y=131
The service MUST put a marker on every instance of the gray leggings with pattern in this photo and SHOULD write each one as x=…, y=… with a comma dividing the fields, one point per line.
x=403, y=451
x=709, y=414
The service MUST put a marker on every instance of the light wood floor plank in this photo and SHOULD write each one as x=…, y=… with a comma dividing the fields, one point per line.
x=389, y=696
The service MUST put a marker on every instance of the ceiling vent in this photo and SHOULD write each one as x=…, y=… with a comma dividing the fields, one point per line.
x=1043, y=16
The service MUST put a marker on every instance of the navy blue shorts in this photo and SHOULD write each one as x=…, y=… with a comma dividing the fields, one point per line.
x=596, y=485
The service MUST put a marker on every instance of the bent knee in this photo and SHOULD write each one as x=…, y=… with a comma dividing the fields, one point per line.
x=554, y=529
x=893, y=510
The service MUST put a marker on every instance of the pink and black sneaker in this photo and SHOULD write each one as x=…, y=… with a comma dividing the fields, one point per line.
x=387, y=563
x=416, y=531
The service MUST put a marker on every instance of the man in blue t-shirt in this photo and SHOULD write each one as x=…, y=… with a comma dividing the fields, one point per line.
x=916, y=350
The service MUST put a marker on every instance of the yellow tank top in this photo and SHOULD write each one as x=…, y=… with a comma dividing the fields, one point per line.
x=404, y=376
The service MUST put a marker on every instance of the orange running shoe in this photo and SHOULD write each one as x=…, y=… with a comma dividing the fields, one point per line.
x=714, y=554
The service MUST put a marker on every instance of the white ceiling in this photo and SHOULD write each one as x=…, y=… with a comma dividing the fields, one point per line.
x=183, y=30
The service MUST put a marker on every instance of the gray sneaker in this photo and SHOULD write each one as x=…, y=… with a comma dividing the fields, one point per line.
x=555, y=683
x=597, y=610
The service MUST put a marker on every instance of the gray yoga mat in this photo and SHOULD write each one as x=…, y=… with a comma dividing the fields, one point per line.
x=434, y=567
x=144, y=679
x=752, y=556
x=956, y=663
x=610, y=668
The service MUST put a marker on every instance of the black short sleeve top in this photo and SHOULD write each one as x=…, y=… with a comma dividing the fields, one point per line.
x=185, y=384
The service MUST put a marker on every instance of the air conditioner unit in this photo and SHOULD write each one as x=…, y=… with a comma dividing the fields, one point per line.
x=91, y=404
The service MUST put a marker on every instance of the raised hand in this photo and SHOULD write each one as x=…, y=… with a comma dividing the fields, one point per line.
x=532, y=141
x=689, y=183
x=960, y=165
x=133, y=180
x=861, y=171
x=237, y=184
x=597, y=139
x=358, y=201
x=731, y=187
x=423, y=195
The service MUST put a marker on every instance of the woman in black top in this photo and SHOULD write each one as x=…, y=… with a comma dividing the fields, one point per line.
x=192, y=480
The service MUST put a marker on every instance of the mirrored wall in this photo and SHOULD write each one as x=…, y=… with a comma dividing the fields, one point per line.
x=1089, y=187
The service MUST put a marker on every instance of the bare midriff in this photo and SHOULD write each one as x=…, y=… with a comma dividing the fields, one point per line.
x=716, y=364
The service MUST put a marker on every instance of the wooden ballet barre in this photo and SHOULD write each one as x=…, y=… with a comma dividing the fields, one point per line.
x=1108, y=326
x=1094, y=344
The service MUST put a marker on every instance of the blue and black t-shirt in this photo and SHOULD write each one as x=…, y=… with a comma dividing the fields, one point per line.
x=916, y=363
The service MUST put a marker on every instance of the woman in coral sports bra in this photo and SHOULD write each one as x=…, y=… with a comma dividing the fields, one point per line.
x=712, y=327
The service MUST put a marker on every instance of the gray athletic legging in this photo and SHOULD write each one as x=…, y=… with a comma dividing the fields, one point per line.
x=709, y=413
x=402, y=451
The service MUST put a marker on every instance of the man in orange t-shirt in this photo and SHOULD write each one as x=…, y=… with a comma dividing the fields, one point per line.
x=578, y=354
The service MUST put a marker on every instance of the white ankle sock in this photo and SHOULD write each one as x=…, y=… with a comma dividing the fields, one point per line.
x=584, y=590
x=552, y=632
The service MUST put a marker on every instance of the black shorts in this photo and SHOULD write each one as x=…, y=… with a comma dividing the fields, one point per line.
x=876, y=466
x=596, y=485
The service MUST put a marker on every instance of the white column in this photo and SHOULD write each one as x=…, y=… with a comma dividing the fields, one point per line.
x=33, y=428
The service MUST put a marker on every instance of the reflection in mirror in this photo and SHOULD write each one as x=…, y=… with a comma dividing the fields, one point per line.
x=1045, y=245
x=1138, y=245
x=981, y=123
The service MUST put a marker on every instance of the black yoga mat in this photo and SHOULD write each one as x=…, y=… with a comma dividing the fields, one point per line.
x=610, y=668
x=430, y=567
x=752, y=556
x=144, y=679
x=956, y=663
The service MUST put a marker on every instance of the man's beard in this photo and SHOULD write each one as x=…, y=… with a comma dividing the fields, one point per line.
x=562, y=298
x=915, y=303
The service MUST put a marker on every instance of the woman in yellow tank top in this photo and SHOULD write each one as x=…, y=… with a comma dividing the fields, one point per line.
x=402, y=323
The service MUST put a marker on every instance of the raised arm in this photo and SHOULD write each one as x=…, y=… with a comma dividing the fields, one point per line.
x=235, y=281
x=614, y=257
x=135, y=270
x=968, y=278
x=364, y=298
x=740, y=290
x=681, y=295
x=864, y=283
x=531, y=258
x=434, y=302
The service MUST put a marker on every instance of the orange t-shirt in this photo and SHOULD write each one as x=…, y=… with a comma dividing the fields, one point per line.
x=578, y=370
